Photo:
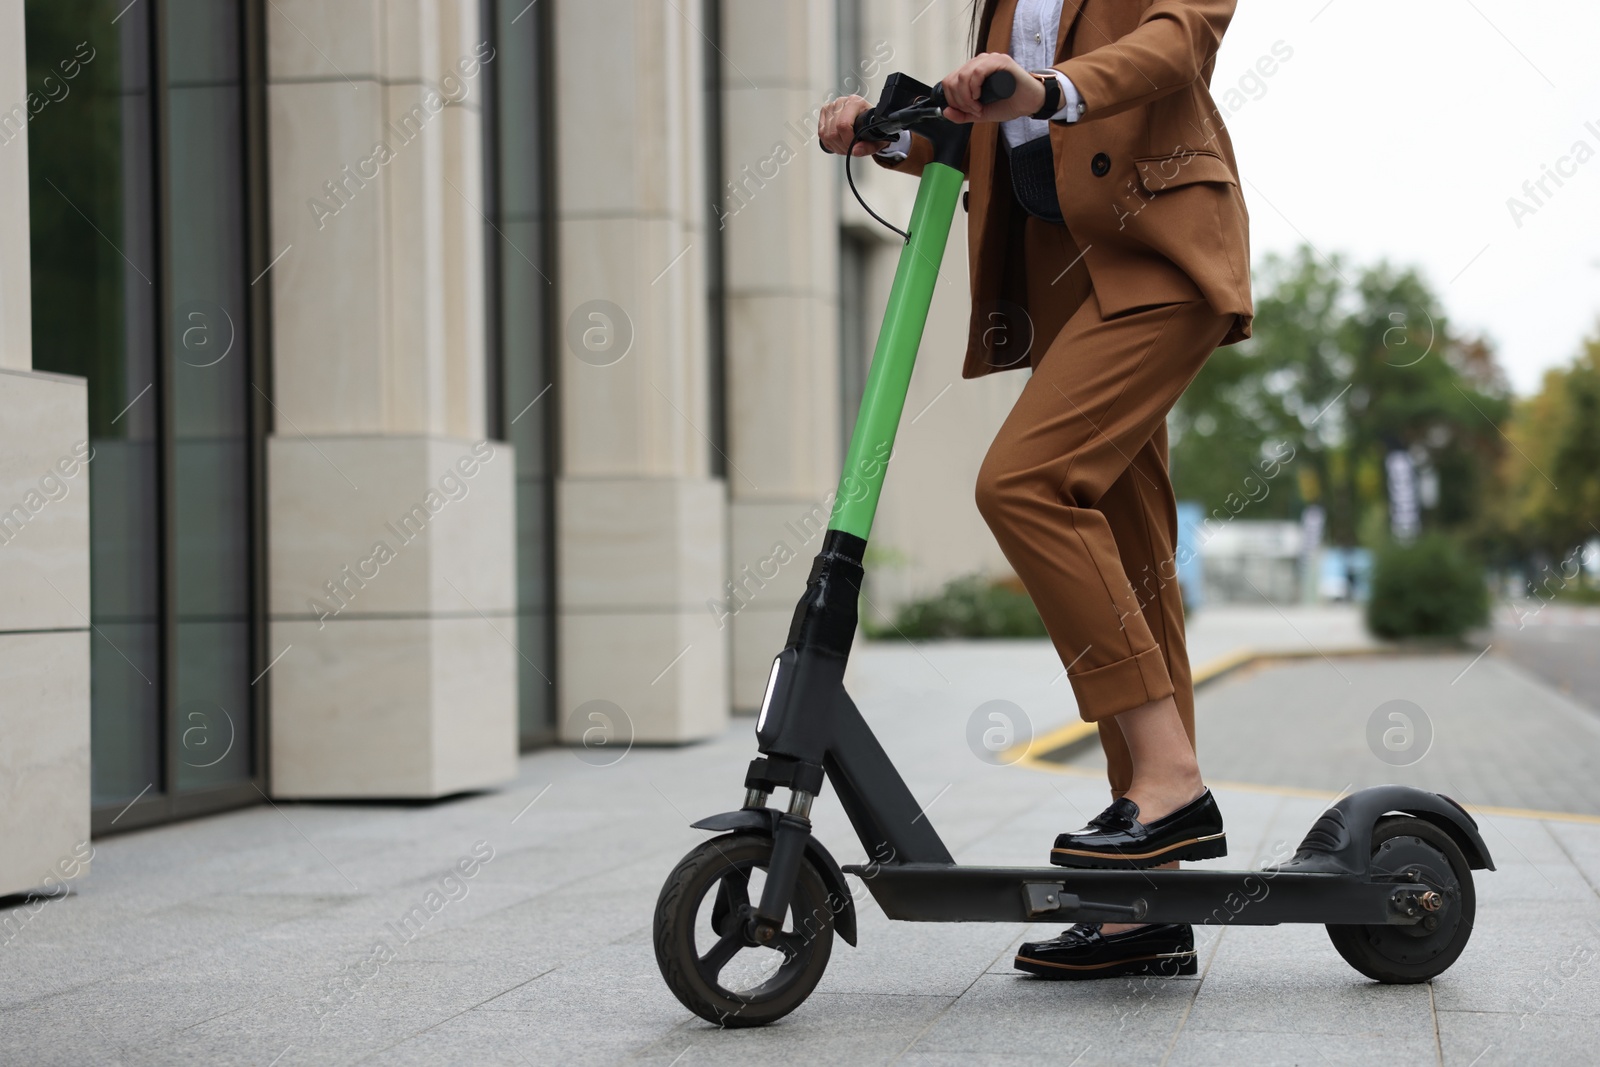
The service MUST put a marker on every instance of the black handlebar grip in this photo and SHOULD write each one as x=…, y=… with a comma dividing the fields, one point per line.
x=997, y=86
x=864, y=120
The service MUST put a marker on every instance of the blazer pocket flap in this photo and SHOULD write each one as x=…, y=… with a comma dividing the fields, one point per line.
x=1183, y=168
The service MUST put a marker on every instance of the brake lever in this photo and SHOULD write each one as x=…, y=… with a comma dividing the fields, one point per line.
x=890, y=126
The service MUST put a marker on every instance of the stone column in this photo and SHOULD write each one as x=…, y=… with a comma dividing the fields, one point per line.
x=391, y=520
x=778, y=205
x=44, y=553
x=641, y=521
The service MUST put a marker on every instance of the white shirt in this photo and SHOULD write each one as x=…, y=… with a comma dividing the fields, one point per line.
x=1033, y=46
x=1034, y=28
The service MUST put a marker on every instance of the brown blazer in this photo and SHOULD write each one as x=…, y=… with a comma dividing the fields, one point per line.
x=1147, y=180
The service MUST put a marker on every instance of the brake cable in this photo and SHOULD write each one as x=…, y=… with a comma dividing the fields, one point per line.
x=918, y=111
x=850, y=153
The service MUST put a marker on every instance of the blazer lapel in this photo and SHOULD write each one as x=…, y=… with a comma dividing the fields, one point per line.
x=1000, y=30
x=1070, y=9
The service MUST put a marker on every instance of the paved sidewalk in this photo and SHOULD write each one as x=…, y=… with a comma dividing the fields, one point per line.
x=252, y=938
x=1477, y=728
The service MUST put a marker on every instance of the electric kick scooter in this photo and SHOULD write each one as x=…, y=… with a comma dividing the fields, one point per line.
x=745, y=923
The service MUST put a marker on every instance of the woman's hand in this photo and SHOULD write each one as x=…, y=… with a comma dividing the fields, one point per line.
x=836, y=126
x=965, y=83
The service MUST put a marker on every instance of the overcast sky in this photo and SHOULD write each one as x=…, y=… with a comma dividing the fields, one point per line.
x=1400, y=129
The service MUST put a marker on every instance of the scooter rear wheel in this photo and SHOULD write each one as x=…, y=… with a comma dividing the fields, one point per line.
x=1401, y=845
x=703, y=947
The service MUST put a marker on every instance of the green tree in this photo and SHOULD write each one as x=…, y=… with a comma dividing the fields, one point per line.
x=1345, y=365
x=1254, y=398
x=1417, y=387
x=1552, y=476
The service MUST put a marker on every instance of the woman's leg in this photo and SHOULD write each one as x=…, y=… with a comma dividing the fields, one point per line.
x=1143, y=515
x=1098, y=396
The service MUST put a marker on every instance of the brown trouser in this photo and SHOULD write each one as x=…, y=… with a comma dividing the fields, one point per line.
x=1076, y=488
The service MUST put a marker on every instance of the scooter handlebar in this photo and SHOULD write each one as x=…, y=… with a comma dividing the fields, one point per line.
x=997, y=86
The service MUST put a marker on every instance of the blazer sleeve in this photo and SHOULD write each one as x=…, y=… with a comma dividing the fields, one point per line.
x=1172, y=44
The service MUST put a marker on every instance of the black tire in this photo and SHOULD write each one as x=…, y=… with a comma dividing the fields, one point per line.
x=697, y=975
x=1408, y=954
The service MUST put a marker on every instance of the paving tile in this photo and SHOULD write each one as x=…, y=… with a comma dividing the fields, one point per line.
x=1112, y=1021
x=1475, y=1039
x=1524, y=959
x=1289, y=979
x=510, y=1039
x=1297, y=1048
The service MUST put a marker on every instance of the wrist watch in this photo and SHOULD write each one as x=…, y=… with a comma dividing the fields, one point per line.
x=1052, y=93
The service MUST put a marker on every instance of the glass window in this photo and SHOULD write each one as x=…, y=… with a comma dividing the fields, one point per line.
x=140, y=248
x=205, y=245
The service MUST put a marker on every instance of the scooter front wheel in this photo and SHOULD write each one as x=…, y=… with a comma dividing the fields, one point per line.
x=1404, y=848
x=703, y=946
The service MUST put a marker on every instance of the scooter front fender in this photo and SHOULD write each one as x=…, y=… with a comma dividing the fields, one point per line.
x=765, y=821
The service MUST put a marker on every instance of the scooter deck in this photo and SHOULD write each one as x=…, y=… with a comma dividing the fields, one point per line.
x=1330, y=879
x=932, y=892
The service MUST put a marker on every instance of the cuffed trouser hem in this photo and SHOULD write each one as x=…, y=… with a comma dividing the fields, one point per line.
x=1121, y=686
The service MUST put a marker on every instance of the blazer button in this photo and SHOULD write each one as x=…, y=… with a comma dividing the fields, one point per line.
x=1100, y=164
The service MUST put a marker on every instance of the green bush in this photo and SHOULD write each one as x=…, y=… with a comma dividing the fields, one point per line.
x=971, y=606
x=1429, y=588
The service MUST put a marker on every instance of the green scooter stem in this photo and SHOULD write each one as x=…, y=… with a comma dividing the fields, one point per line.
x=889, y=378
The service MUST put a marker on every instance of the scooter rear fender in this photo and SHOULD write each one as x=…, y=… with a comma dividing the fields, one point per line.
x=1341, y=840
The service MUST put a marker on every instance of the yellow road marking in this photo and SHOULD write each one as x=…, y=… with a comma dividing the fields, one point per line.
x=1076, y=731
x=1222, y=665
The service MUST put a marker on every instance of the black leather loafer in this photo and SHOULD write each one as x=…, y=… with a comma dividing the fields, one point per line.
x=1162, y=949
x=1117, y=839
